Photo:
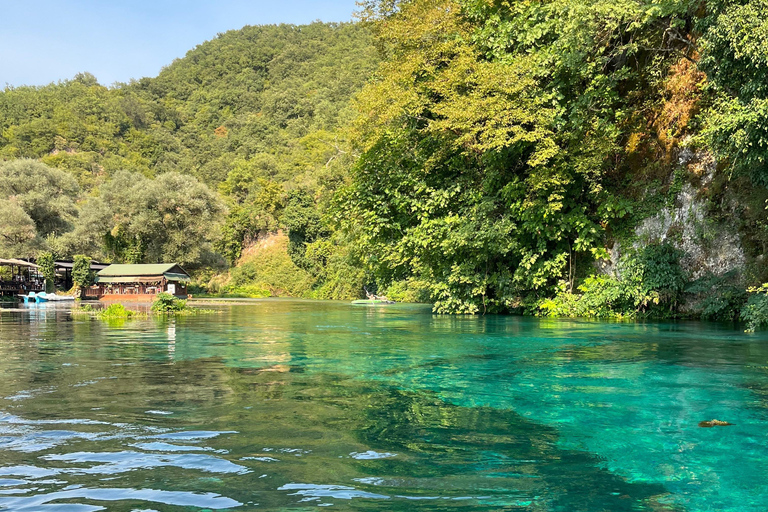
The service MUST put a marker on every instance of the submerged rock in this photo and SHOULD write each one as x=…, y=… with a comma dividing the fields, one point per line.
x=714, y=423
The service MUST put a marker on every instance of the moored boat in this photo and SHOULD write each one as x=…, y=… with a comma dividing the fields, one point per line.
x=372, y=301
x=45, y=297
x=59, y=298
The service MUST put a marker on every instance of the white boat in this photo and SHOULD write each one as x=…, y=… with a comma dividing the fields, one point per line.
x=57, y=298
x=45, y=297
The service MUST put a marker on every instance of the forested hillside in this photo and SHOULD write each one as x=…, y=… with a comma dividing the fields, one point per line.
x=260, y=97
x=565, y=157
x=190, y=165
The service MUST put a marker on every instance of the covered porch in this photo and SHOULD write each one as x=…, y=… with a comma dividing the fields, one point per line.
x=19, y=277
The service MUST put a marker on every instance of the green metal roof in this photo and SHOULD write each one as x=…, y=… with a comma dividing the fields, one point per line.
x=142, y=273
x=156, y=269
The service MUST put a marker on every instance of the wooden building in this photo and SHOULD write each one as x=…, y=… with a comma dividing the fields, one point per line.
x=139, y=282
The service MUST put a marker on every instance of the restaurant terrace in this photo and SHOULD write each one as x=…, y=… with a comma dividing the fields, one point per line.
x=19, y=277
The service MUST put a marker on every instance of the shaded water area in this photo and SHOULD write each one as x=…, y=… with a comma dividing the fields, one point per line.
x=297, y=405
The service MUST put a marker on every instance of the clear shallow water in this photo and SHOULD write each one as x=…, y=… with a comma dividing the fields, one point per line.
x=288, y=405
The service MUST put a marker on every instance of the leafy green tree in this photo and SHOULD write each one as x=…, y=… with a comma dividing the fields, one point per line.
x=171, y=218
x=47, y=269
x=462, y=182
x=304, y=223
x=18, y=236
x=735, y=57
x=82, y=276
x=47, y=195
x=650, y=283
x=253, y=215
x=497, y=139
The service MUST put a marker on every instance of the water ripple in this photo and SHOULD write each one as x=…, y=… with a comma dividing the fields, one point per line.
x=42, y=502
x=189, y=435
x=371, y=455
x=342, y=492
x=111, y=463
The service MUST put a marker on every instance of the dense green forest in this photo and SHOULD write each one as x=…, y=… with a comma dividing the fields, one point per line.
x=244, y=136
x=565, y=157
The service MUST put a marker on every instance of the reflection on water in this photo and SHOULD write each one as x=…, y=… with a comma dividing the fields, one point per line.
x=294, y=405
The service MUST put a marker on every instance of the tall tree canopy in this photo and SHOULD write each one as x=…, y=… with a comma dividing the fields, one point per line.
x=47, y=195
x=495, y=136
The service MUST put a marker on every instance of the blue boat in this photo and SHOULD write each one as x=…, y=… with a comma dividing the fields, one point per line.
x=35, y=297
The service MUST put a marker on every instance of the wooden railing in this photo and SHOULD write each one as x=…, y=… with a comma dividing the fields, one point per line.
x=20, y=287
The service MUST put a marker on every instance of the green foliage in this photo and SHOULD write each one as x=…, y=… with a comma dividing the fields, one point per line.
x=251, y=95
x=338, y=274
x=735, y=58
x=167, y=303
x=253, y=217
x=141, y=220
x=476, y=178
x=18, y=235
x=407, y=291
x=47, y=269
x=657, y=268
x=252, y=113
x=82, y=276
x=304, y=224
x=47, y=195
x=599, y=297
x=270, y=268
x=719, y=298
x=650, y=283
x=117, y=311
x=755, y=312
x=504, y=143
x=495, y=153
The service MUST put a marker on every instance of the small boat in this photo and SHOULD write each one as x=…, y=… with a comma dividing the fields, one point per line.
x=372, y=301
x=45, y=297
x=59, y=298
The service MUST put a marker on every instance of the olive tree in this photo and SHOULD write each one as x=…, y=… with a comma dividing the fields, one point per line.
x=18, y=237
x=47, y=195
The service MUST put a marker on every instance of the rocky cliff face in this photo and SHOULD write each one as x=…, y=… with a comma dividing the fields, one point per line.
x=712, y=247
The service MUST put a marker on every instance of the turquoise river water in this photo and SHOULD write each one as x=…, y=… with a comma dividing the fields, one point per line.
x=299, y=405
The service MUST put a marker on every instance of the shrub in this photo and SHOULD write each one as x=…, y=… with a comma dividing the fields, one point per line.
x=651, y=282
x=48, y=269
x=411, y=290
x=167, y=303
x=116, y=311
x=755, y=312
x=719, y=298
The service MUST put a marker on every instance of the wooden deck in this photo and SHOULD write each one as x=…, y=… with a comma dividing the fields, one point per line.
x=15, y=288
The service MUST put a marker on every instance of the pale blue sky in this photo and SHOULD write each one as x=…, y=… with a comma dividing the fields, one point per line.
x=43, y=41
